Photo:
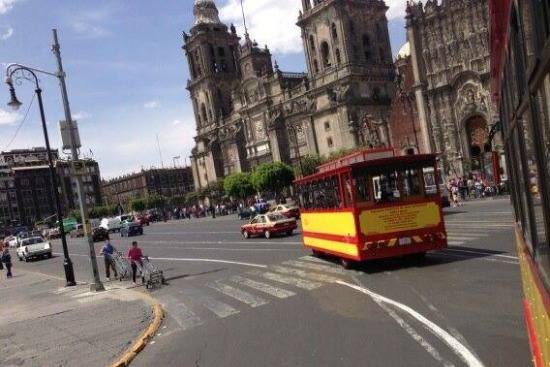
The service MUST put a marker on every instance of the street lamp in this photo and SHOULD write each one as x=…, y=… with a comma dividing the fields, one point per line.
x=295, y=130
x=26, y=73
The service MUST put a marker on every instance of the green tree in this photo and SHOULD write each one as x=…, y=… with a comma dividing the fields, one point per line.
x=75, y=213
x=138, y=204
x=191, y=197
x=239, y=185
x=340, y=153
x=273, y=176
x=176, y=201
x=156, y=201
x=310, y=163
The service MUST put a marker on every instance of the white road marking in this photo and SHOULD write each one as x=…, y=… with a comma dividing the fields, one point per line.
x=458, y=348
x=463, y=237
x=240, y=295
x=263, y=287
x=305, y=274
x=208, y=260
x=484, y=253
x=183, y=315
x=470, y=257
x=318, y=267
x=455, y=243
x=219, y=308
x=226, y=242
x=415, y=335
x=300, y=283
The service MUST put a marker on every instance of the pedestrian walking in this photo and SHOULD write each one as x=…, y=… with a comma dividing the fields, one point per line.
x=135, y=255
x=107, y=251
x=6, y=260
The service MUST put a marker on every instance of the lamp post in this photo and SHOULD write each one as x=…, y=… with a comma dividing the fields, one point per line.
x=175, y=159
x=295, y=130
x=26, y=73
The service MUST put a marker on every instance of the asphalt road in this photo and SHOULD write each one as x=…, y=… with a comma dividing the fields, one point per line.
x=237, y=302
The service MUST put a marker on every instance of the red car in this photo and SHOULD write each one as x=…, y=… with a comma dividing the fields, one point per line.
x=268, y=225
x=143, y=220
x=288, y=211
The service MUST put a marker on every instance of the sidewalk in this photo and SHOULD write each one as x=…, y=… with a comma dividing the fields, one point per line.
x=43, y=323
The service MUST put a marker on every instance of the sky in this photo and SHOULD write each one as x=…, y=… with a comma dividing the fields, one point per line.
x=126, y=72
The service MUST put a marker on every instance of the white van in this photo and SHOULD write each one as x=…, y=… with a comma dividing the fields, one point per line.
x=111, y=224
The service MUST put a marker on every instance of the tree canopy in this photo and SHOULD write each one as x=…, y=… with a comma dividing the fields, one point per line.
x=155, y=201
x=273, y=176
x=239, y=185
x=138, y=204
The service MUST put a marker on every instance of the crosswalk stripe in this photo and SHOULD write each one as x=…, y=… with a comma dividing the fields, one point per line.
x=455, y=243
x=238, y=294
x=318, y=267
x=300, y=283
x=463, y=238
x=181, y=313
x=263, y=287
x=305, y=274
x=313, y=259
x=219, y=308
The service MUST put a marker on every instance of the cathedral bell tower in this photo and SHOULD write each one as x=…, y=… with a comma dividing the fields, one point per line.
x=212, y=51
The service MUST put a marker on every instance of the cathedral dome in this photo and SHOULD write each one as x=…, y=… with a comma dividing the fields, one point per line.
x=404, y=51
x=206, y=12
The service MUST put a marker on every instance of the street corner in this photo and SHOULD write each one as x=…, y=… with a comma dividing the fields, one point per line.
x=156, y=321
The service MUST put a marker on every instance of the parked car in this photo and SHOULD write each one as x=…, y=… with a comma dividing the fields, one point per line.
x=289, y=211
x=77, y=231
x=143, y=220
x=33, y=247
x=11, y=241
x=99, y=234
x=269, y=224
x=52, y=233
x=131, y=229
x=244, y=213
x=111, y=224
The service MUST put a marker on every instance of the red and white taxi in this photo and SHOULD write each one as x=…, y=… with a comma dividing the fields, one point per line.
x=269, y=224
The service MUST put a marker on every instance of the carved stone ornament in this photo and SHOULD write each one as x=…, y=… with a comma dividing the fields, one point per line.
x=471, y=98
x=274, y=117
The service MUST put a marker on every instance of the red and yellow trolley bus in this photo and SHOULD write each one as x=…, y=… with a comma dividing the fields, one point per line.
x=371, y=205
x=520, y=83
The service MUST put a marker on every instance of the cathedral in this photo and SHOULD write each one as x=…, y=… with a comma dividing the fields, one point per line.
x=447, y=62
x=249, y=112
x=434, y=99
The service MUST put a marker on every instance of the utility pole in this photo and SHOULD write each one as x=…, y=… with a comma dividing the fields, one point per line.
x=95, y=282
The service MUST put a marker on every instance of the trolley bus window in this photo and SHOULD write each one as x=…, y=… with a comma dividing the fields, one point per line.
x=411, y=182
x=361, y=182
x=348, y=201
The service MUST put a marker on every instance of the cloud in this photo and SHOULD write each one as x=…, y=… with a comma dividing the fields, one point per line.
x=91, y=23
x=81, y=115
x=177, y=122
x=151, y=104
x=6, y=5
x=8, y=118
x=265, y=17
x=5, y=33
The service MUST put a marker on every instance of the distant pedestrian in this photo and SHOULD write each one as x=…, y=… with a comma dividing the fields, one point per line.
x=107, y=251
x=135, y=255
x=6, y=260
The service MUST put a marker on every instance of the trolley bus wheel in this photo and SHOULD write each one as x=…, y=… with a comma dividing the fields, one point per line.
x=316, y=253
x=267, y=234
x=347, y=263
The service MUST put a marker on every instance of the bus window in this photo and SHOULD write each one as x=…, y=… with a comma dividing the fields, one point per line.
x=361, y=182
x=412, y=185
x=386, y=183
x=348, y=201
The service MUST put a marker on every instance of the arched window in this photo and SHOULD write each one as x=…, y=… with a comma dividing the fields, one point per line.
x=315, y=66
x=338, y=59
x=325, y=54
x=203, y=113
x=311, y=43
x=334, y=31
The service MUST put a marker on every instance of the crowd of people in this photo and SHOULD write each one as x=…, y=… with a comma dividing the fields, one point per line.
x=472, y=186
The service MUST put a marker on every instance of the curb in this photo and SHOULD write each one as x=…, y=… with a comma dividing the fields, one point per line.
x=126, y=358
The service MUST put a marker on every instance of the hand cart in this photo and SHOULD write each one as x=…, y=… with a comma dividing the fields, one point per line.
x=121, y=264
x=150, y=275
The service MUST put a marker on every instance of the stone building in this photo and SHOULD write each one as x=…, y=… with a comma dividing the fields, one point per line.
x=449, y=55
x=91, y=183
x=167, y=182
x=249, y=112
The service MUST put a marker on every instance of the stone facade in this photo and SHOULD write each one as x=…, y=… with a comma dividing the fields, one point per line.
x=449, y=54
x=248, y=112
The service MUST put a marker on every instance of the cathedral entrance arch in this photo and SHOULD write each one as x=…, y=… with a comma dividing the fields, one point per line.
x=478, y=140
